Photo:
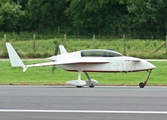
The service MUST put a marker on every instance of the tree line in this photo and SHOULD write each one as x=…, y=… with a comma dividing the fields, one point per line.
x=85, y=17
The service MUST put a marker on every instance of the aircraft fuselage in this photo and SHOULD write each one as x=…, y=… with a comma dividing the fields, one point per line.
x=114, y=64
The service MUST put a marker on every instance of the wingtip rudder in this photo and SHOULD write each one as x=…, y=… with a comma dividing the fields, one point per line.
x=14, y=57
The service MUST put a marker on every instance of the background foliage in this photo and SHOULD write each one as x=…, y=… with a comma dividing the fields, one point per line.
x=85, y=17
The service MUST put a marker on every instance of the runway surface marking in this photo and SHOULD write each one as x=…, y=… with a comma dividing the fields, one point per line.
x=84, y=111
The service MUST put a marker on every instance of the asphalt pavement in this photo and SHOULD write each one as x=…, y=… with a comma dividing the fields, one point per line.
x=71, y=103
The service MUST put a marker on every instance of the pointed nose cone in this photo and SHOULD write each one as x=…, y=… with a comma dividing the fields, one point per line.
x=150, y=65
x=52, y=58
x=153, y=66
x=144, y=65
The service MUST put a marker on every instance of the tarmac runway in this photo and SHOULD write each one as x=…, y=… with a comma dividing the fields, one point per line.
x=70, y=103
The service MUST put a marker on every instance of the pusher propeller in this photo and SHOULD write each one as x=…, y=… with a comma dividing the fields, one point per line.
x=57, y=49
x=54, y=57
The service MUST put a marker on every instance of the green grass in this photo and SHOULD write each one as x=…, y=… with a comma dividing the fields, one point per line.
x=44, y=76
x=45, y=48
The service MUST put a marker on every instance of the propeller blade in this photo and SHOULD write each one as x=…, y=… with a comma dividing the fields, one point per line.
x=53, y=68
x=57, y=49
x=53, y=57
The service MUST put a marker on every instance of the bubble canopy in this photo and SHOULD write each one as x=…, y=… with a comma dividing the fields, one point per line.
x=100, y=53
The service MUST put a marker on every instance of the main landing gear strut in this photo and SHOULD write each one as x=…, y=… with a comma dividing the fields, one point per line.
x=89, y=80
x=142, y=84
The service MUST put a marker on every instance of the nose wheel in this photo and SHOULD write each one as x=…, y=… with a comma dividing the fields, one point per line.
x=142, y=84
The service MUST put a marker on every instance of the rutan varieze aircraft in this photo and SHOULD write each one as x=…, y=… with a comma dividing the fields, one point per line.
x=93, y=60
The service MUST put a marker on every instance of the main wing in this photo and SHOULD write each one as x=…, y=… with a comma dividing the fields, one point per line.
x=67, y=61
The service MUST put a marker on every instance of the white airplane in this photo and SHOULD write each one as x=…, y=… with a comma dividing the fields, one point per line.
x=93, y=60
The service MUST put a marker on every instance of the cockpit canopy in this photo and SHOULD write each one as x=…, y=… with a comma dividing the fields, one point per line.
x=100, y=53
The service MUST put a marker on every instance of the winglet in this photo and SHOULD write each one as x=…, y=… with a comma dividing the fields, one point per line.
x=62, y=49
x=14, y=58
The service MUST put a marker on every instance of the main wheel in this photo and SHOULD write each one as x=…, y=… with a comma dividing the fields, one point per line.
x=141, y=85
x=79, y=86
x=91, y=86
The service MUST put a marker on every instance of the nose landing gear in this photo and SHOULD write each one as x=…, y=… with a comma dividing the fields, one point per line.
x=142, y=84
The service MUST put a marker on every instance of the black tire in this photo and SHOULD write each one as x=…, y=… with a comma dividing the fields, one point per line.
x=141, y=85
x=79, y=86
x=92, y=86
